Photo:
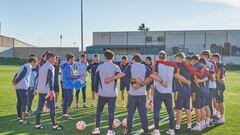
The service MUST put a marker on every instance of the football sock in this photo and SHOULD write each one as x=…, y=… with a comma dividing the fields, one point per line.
x=177, y=127
x=189, y=125
x=123, y=102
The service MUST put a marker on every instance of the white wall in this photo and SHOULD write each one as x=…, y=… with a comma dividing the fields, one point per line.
x=6, y=52
x=231, y=60
x=136, y=38
x=234, y=37
x=101, y=38
x=194, y=40
x=174, y=39
x=118, y=38
x=215, y=37
x=154, y=35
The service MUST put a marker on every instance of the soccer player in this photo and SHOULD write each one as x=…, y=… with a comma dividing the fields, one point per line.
x=138, y=75
x=212, y=80
x=149, y=87
x=21, y=81
x=80, y=83
x=56, y=79
x=43, y=58
x=200, y=96
x=68, y=85
x=188, y=60
x=105, y=85
x=164, y=93
x=220, y=87
x=183, y=94
x=32, y=89
x=46, y=92
x=92, y=69
x=123, y=83
x=60, y=72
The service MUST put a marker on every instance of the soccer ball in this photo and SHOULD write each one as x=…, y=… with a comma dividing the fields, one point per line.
x=124, y=122
x=46, y=109
x=116, y=123
x=81, y=125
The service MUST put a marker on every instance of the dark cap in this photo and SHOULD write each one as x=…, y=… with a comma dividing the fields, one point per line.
x=203, y=61
x=124, y=57
x=195, y=57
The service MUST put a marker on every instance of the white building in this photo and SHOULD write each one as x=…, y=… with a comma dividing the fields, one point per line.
x=151, y=42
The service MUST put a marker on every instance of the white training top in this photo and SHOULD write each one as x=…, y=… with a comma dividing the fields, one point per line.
x=164, y=73
x=211, y=84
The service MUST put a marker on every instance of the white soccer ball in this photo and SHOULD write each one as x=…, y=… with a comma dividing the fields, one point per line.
x=81, y=125
x=116, y=123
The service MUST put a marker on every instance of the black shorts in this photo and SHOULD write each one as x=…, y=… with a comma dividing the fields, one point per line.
x=219, y=93
x=149, y=86
x=92, y=86
x=183, y=101
x=197, y=99
x=212, y=92
x=205, y=99
x=124, y=85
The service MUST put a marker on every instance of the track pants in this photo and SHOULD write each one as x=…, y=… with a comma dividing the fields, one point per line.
x=212, y=95
x=111, y=101
x=22, y=98
x=135, y=102
x=68, y=98
x=83, y=95
x=30, y=98
x=158, y=98
x=51, y=104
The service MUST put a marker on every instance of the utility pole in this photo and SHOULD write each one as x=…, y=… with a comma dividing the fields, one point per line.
x=61, y=40
x=38, y=44
x=81, y=25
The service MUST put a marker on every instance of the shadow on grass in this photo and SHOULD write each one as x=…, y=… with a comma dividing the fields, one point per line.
x=9, y=124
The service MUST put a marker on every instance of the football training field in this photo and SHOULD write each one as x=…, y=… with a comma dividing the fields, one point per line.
x=9, y=124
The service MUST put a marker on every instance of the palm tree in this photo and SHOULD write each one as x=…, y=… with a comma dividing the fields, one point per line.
x=142, y=27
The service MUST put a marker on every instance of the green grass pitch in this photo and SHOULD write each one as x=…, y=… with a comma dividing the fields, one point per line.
x=9, y=125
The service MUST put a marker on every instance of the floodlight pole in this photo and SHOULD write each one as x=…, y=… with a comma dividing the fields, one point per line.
x=61, y=40
x=81, y=25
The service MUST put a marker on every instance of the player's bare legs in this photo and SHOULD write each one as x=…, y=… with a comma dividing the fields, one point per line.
x=93, y=99
x=189, y=119
x=179, y=117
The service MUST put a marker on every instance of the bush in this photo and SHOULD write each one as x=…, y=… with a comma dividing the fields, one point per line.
x=232, y=67
x=12, y=61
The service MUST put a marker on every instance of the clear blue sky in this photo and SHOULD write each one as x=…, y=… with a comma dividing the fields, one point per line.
x=44, y=20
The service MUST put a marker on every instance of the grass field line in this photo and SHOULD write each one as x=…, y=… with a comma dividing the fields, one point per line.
x=138, y=132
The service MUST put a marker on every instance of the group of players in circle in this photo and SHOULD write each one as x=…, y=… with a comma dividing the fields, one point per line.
x=192, y=83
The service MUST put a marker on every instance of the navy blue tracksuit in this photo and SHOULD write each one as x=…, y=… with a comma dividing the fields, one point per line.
x=107, y=92
x=111, y=101
x=158, y=99
x=164, y=94
x=41, y=102
x=22, y=98
x=30, y=98
x=135, y=102
x=22, y=79
x=137, y=98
